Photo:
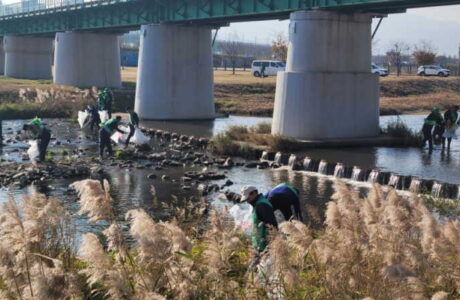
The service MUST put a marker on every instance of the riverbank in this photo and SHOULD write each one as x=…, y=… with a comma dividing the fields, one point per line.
x=399, y=95
x=240, y=94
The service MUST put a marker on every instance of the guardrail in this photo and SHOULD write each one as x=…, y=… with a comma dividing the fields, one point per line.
x=30, y=6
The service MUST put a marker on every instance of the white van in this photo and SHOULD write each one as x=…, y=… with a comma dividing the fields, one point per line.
x=271, y=67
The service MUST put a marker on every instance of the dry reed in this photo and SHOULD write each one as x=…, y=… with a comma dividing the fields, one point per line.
x=383, y=246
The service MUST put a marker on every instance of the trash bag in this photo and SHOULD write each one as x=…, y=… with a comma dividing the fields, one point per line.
x=120, y=138
x=139, y=138
x=242, y=215
x=104, y=115
x=82, y=118
x=33, y=151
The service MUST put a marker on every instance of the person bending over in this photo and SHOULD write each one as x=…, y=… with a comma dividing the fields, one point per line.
x=285, y=197
x=133, y=123
x=262, y=216
x=40, y=133
x=106, y=131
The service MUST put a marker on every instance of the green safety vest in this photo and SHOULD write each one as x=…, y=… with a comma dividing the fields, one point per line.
x=102, y=101
x=259, y=232
x=433, y=119
x=453, y=116
x=106, y=124
x=133, y=119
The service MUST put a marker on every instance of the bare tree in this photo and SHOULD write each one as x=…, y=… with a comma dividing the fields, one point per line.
x=375, y=48
x=280, y=47
x=395, y=54
x=233, y=49
x=424, y=53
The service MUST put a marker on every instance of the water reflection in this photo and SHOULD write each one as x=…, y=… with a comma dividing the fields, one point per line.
x=204, y=128
x=131, y=188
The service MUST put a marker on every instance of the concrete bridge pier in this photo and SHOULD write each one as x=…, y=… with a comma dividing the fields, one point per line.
x=327, y=90
x=2, y=57
x=175, y=75
x=28, y=57
x=85, y=59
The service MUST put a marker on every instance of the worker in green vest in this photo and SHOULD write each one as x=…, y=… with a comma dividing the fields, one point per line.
x=41, y=134
x=451, y=125
x=133, y=123
x=106, y=131
x=434, y=118
x=104, y=101
x=263, y=216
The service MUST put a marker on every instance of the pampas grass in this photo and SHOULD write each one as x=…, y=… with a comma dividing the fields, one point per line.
x=383, y=246
x=95, y=200
x=36, y=248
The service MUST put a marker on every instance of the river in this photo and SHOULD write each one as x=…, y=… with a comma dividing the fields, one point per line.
x=131, y=187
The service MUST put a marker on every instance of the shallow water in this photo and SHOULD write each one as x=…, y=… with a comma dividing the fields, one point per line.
x=442, y=166
x=130, y=188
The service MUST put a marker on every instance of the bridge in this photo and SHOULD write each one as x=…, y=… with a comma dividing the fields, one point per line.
x=327, y=90
x=48, y=16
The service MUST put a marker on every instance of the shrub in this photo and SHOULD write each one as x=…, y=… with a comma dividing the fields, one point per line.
x=237, y=132
x=223, y=144
x=283, y=143
x=399, y=129
x=262, y=128
x=226, y=143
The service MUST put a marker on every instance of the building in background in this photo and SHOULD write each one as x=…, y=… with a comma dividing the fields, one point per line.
x=246, y=52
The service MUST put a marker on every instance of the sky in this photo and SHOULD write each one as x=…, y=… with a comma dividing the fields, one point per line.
x=439, y=25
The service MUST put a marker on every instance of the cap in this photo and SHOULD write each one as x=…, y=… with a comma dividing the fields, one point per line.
x=36, y=121
x=245, y=191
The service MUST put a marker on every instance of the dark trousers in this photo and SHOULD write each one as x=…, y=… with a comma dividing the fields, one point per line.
x=437, y=134
x=93, y=125
x=104, y=142
x=43, y=144
x=288, y=204
x=427, y=135
x=132, y=129
x=95, y=120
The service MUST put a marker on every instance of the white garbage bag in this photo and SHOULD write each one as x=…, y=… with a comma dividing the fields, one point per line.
x=242, y=215
x=139, y=138
x=33, y=151
x=82, y=117
x=120, y=138
x=104, y=115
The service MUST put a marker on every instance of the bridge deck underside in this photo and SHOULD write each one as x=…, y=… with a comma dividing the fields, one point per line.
x=126, y=14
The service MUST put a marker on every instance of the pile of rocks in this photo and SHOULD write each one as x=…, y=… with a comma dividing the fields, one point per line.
x=20, y=176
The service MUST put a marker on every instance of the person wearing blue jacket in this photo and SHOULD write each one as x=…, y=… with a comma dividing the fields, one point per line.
x=285, y=197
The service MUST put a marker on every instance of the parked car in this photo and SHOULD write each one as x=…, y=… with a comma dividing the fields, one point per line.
x=432, y=71
x=380, y=71
x=271, y=67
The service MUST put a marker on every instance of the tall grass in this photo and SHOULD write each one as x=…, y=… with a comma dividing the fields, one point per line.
x=399, y=129
x=51, y=103
x=224, y=144
x=379, y=247
x=231, y=141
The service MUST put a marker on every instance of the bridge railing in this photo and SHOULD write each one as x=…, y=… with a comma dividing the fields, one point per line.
x=30, y=6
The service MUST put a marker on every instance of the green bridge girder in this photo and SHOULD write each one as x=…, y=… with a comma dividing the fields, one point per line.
x=130, y=14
